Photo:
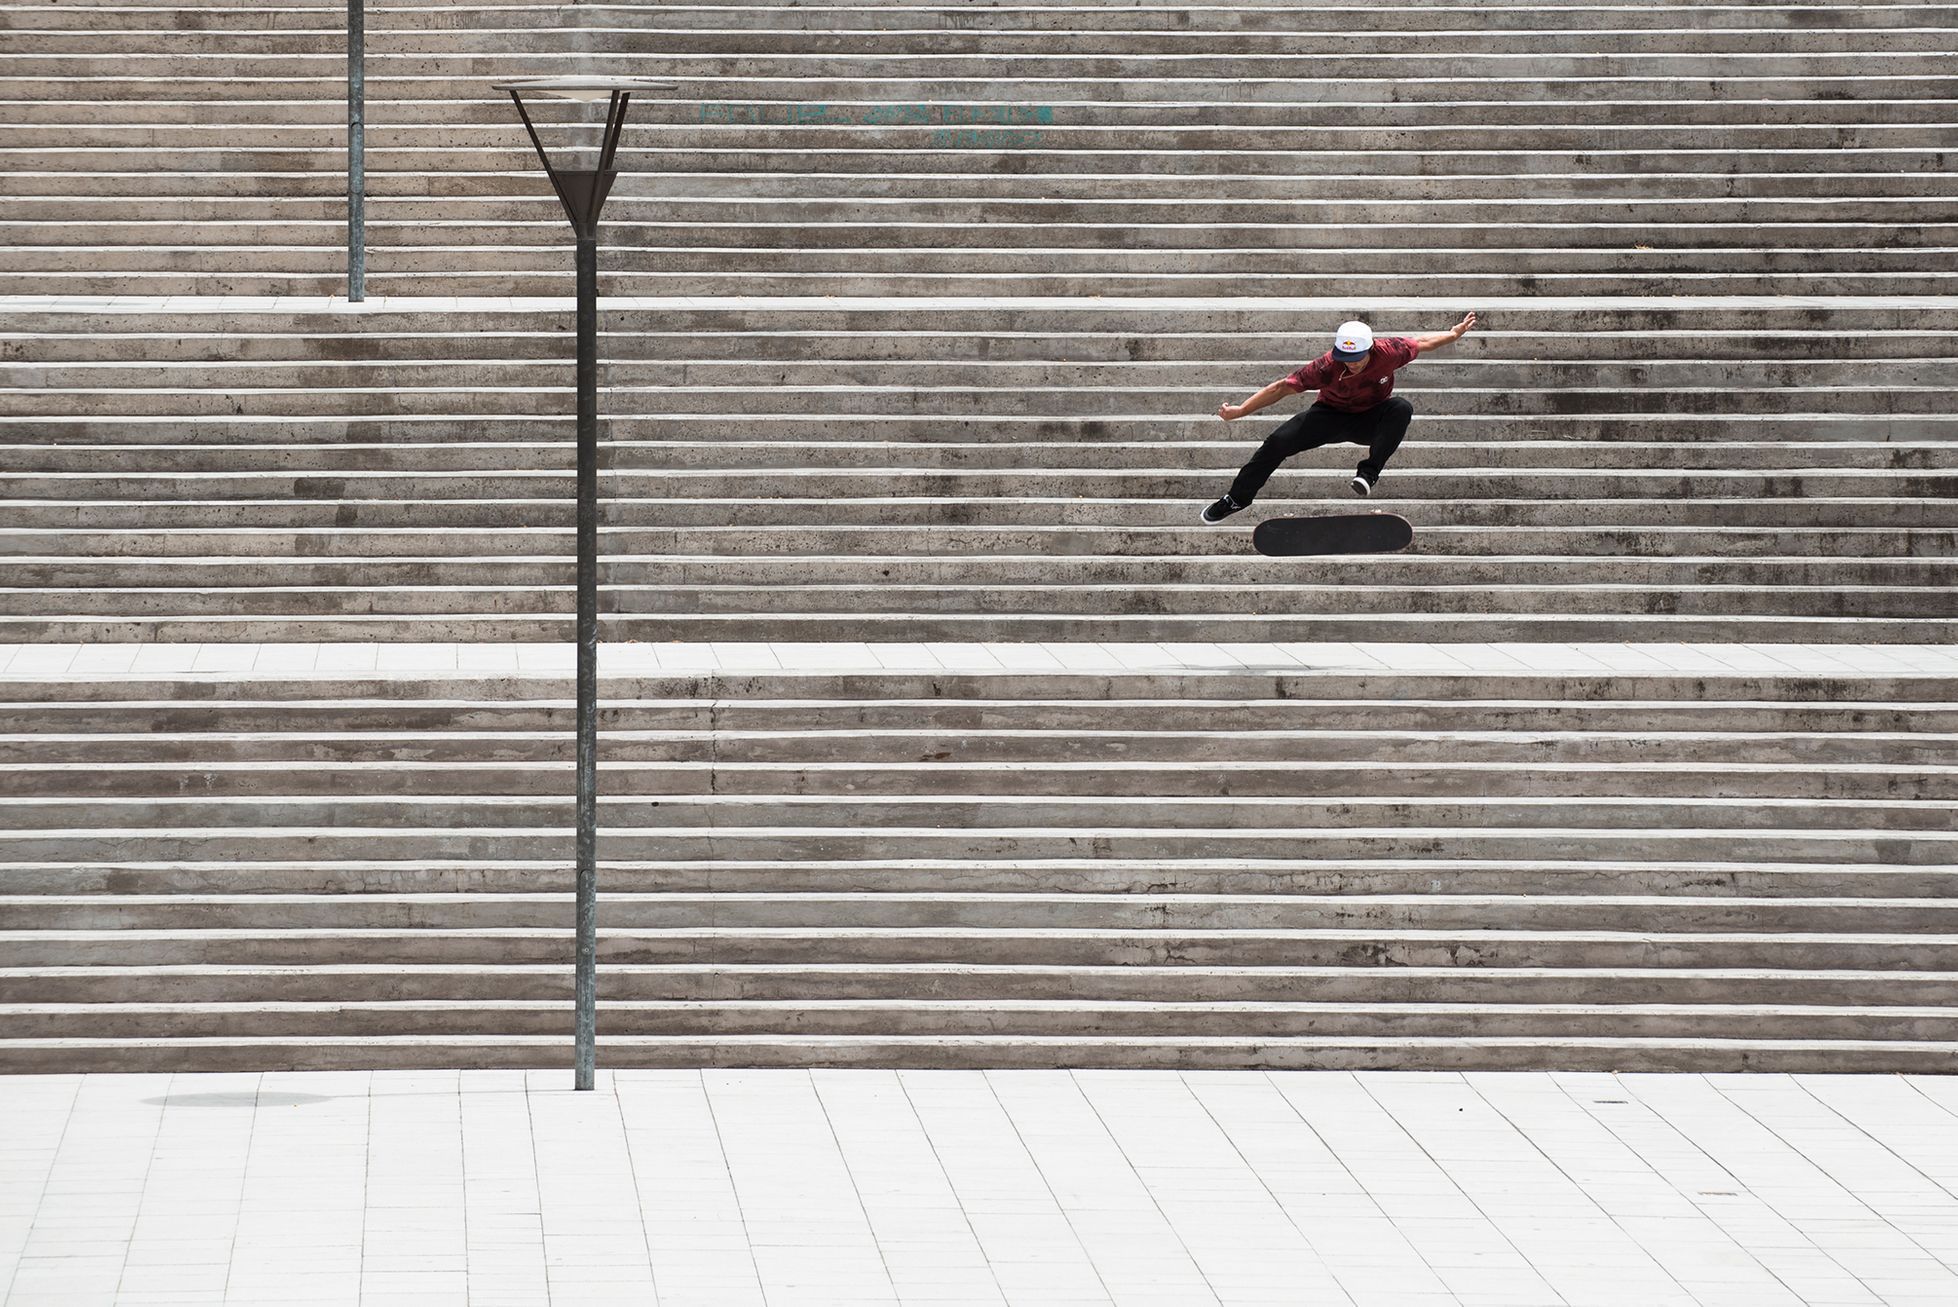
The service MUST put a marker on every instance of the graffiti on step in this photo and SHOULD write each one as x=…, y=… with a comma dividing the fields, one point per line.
x=950, y=126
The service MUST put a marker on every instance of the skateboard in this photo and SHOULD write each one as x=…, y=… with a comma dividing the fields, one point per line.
x=1346, y=533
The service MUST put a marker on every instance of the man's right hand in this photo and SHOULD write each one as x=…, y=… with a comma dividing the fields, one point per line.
x=1230, y=412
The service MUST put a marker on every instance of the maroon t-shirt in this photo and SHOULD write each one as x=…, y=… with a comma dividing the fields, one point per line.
x=1356, y=392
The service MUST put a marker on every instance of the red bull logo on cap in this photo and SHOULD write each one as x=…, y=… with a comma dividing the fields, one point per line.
x=1352, y=340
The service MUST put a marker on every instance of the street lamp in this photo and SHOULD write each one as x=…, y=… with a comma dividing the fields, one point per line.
x=582, y=191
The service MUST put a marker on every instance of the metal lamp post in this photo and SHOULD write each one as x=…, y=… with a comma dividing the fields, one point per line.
x=582, y=191
x=356, y=151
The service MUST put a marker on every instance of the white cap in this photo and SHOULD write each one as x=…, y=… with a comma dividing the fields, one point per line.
x=1352, y=340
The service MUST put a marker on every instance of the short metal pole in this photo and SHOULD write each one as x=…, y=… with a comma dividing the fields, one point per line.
x=356, y=150
x=586, y=984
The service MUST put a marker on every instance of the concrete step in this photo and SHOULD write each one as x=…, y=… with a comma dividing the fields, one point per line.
x=1037, y=682
x=951, y=318
x=1041, y=811
x=1514, y=151
x=1872, y=75
x=667, y=722
x=138, y=354
x=1224, y=451
x=1253, y=731
x=948, y=408
x=887, y=488
x=469, y=120
x=1052, y=948
x=728, y=913
x=1577, y=432
x=1193, y=350
x=626, y=577
x=400, y=50
x=1250, y=730
x=978, y=983
x=938, y=62
x=858, y=1019
x=803, y=626
x=472, y=115
x=924, y=540
x=1026, y=1051
x=1039, y=15
x=1853, y=778
x=1803, y=281
x=1434, y=874
x=632, y=609
x=457, y=195
x=1448, y=443
x=816, y=844
x=1292, y=495
x=529, y=261
x=888, y=757
x=483, y=145
x=512, y=381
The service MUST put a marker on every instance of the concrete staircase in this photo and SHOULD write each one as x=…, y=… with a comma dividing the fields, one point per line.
x=1700, y=471
x=917, y=314
x=1200, y=866
x=1470, y=150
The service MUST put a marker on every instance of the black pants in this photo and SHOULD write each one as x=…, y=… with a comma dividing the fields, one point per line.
x=1381, y=429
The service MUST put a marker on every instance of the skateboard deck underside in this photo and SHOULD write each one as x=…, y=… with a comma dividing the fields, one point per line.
x=1346, y=533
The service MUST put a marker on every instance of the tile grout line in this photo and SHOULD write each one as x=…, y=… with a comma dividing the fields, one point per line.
x=1809, y=1242
x=1332, y=1273
x=1523, y=1133
x=149, y=1168
x=1074, y=1080
x=54, y=1160
x=1442, y=1170
x=366, y=1184
x=1668, y=1181
x=1911, y=1081
x=1358, y=1184
x=1006, y=1114
x=537, y=1188
x=856, y=1190
x=632, y=1173
x=1801, y=1082
x=733, y=1185
x=951, y=1187
x=462, y=1175
x=244, y=1172
x=1929, y=1253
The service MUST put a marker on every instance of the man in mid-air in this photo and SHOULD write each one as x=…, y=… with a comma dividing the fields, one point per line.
x=1356, y=404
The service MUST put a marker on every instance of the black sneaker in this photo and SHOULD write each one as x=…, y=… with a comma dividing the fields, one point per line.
x=1361, y=486
x=1222, y=509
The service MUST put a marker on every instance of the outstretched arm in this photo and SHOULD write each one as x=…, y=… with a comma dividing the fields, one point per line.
x=1265, y=398
x=1422, y=344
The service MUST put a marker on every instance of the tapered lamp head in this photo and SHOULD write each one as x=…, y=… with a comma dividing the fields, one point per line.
x=581, y=190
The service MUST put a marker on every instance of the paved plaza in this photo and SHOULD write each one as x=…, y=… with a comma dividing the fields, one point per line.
x=1051, y=1187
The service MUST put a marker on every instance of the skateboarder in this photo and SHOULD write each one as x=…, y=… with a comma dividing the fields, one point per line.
x=1355, y=381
